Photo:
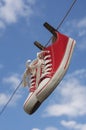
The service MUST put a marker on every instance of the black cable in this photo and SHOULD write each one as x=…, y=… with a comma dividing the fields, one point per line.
x=10, y=98
x=66, y=14
x=68, y=11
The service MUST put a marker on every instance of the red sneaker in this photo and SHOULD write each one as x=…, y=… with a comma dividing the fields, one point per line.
x=53, y=65
x=56, y=61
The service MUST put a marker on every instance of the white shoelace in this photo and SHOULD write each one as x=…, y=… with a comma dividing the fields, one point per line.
x=46, y=65
x=32, y=80
x=29, y=77
x=40, y=70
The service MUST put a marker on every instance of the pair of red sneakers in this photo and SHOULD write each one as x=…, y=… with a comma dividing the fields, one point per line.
x=47, y=70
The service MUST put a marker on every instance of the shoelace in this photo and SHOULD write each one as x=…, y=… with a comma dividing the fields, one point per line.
x=29, y=77
x=46, y=65
x=32, y=78
x=32, y=82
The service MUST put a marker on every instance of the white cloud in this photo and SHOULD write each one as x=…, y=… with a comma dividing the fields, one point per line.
x=35, y=129
x=3, y=98
x=71, y=95
x=77, y=29
x=11, y=10
x=73, y=125
x=78, y=26
x=82, y=33
x=82, y=45
x=13, y=80
x=70, y=124
x=51, y=128
x=47, y=128
x=82, y=23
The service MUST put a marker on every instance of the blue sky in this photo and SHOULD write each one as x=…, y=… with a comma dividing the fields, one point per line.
x=21, y=23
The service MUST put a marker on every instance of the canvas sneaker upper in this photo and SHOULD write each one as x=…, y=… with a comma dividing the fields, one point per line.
x=53, y=56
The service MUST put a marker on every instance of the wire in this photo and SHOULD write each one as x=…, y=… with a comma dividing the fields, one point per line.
x=66, y=14
x=10, y=98
x=68, y=11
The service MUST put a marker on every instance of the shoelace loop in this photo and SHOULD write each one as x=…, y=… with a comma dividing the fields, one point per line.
x=47, y=65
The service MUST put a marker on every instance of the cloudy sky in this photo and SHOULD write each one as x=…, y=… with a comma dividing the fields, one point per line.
x=21, y=23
